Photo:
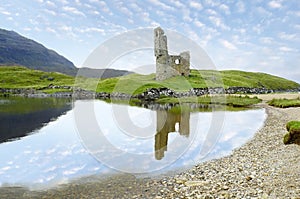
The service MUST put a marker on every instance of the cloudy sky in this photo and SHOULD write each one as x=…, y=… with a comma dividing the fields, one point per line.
x=256, y=35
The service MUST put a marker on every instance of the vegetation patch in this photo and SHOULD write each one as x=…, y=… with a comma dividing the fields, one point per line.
x=293, y=135
x=234, y=101
x=285, y=103
x=136, y=83
x=22, y=77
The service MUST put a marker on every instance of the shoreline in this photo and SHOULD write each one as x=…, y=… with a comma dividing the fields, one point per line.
x=262, y=168
x=151, y=94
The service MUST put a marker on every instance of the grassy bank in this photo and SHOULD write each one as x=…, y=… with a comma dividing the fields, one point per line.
x=285, y=103
x=234, y=101
x=293, y=135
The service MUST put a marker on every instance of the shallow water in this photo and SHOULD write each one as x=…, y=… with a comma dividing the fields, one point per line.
x=96, y=138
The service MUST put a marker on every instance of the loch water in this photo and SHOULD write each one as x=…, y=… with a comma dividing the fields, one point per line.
x=50, y=141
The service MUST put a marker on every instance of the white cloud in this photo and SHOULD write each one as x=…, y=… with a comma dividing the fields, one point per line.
x=160, y=4
x=211, y=12
x=91, y=29
x=196, y=5
x=217, y=21
x=286, y=36
x=5, y=12
x=286, y=49
x=193, y=35
x=240, y=6
x=51, y=12
x=126, y=11
x=274, y=4
x=297, y=26
x=266, y=40
x=73, y=10
x=258, y=29
x=135, y=7
x=225, y=9
x=228, y=44
x=211, y=3
x=51, y=30
x=50, y=3
x=145, y=17
x=198, y=23
x=65, y=2
x=186, y=15
x=177, y=3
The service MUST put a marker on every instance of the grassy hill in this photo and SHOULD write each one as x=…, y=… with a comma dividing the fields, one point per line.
x=21, y=77
x=136, y=83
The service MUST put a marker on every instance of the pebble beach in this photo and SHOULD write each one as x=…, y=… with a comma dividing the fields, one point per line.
x=262, y=168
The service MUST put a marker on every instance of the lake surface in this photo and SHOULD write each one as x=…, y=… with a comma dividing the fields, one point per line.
x=45, y=142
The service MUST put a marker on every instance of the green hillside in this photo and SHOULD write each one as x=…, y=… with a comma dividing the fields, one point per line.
x=136, y=83
x=21, y=77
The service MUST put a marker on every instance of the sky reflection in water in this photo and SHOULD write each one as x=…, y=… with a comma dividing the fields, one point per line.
x=54, y=154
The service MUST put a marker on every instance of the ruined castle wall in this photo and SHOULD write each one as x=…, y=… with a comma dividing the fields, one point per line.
x=168, y=65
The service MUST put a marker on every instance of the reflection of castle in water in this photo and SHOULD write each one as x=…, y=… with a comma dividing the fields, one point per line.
x=166, y=122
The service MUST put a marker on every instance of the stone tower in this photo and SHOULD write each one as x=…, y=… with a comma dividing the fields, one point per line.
x=169, y=65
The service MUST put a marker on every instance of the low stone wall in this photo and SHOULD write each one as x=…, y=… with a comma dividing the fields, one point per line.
x=155, y=93
x=149, y=95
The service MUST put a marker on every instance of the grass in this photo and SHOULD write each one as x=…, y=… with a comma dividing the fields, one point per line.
x=285, y=103
x=21, y=77
x=234, y=101
x=136, y=83
x=293, y=135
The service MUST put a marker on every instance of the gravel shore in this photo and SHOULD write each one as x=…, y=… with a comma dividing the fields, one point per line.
x=262, y=168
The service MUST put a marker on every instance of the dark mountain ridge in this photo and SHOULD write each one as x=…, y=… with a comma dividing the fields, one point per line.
x=19, y=50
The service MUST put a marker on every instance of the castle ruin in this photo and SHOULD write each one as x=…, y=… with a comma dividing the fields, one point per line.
x=169, y=65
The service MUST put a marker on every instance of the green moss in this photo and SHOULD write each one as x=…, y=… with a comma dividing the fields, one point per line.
x=292, y=123
x=285, y=103
x=293, y=135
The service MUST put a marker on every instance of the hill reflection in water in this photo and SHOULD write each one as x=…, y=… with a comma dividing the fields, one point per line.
x=20, y=117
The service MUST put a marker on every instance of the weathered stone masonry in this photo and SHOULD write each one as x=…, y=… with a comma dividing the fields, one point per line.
x=169, y=65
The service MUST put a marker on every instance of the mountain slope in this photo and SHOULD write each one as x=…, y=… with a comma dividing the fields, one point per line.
x=18, y=50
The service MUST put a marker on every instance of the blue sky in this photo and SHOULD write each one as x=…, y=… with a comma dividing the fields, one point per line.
x=256, y=35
